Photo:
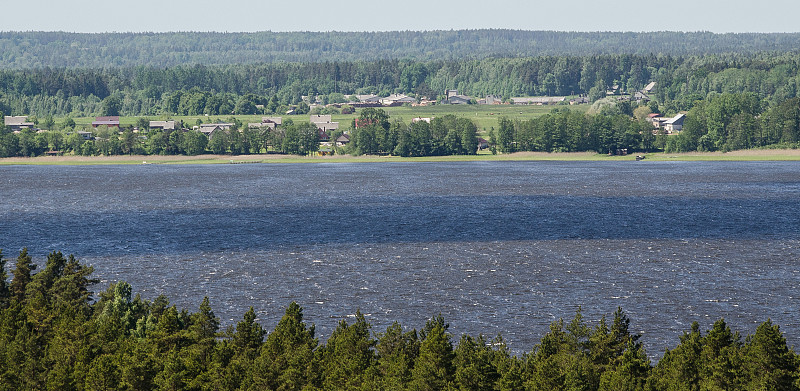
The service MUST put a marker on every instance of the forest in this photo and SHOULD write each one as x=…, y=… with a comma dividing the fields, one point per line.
x=239, y=88
x=57, y=334
x=39, y=49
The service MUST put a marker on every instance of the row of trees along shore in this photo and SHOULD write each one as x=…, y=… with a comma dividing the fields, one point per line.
x=722, y=122
x=56, y=334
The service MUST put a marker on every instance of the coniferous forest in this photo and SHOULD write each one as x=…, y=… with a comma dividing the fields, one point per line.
x=36, y=49
x=56, y=334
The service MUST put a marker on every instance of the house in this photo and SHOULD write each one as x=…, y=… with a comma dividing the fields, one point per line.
x=640, y=96
x=343, y=139
x=366, y=101
x=538, y=100
x=656, y=119
x=163, y=125
x=491, y=100
x=86, y=135
x=110, y=121
x=210, y=130
x=369, y=98
x=16, y=123
x=324, y=124
x=453, y=98
x=397, y=100
x=674, y=124
x=649, y=88
x=421, y=119
x=266, y=122
x=327, y=126
x=482, y=143
x=274, y=121
x=222, y=125
x=458, y=100
x=323, y=136
x=579, y=100
x=320, y=118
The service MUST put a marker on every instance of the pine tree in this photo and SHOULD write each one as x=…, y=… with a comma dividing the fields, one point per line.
x=347, y=355
x=396, y=351
x=721, y=360
x=433, y=369
x=769, y=363
x=680, y=368
x=474, y=367
x=287, y=359
x=630, y=373
x=22, y=276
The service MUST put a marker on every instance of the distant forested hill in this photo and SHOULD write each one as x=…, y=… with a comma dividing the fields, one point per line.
x=20, y=50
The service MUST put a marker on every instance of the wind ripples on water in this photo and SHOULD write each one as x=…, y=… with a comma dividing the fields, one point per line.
x=495, y=247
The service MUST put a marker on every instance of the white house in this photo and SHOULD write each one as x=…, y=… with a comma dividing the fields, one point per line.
x=674, y=124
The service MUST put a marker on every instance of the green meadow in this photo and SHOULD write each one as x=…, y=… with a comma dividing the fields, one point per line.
x=484, y=116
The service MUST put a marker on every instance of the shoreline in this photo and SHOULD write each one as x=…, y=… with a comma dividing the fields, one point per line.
x=742, y=155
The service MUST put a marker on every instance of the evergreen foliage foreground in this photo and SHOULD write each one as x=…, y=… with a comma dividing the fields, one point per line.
x=55, y=335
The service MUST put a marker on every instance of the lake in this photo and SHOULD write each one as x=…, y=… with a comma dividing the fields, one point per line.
x=495, y=247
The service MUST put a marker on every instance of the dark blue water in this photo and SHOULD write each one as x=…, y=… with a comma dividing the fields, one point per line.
x=495, y=247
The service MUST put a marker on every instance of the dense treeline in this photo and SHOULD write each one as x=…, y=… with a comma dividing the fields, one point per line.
x=108, y=50
x=56, y=334
x=227, y=89
x=738, y=121
x=723, y=122
x=290, y=138
x=446, y=135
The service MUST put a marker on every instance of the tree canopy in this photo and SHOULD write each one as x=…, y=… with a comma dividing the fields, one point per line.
x=56, y=334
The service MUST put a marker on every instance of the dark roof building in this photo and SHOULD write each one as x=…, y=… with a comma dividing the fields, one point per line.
x=110, y=121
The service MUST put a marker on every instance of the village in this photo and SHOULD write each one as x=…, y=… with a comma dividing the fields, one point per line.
x=329, y=131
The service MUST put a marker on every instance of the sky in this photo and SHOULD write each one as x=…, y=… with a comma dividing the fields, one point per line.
x=719, y=16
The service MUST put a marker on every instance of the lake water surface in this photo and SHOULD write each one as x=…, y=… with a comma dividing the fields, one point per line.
x=495, y=247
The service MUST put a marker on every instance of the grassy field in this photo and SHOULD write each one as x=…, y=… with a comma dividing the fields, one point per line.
x=484, y=116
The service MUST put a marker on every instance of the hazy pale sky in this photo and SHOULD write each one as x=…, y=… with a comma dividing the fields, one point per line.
x=718, y=16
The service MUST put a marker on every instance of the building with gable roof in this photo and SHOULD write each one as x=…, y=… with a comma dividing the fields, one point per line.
x=16, y=123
